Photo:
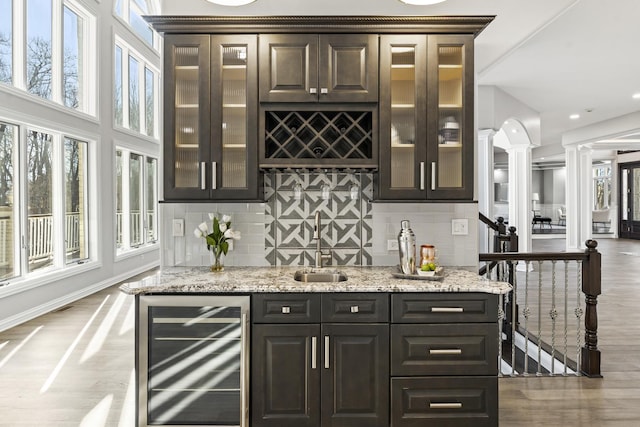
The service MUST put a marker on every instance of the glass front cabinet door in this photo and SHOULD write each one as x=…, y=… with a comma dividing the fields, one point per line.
x=210, y=117
x=426, y=118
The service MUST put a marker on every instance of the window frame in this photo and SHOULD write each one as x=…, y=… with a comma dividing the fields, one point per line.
x=89, y=88
x=154, y=8
x=126, y=249
x=143, y=65
x=24, y=278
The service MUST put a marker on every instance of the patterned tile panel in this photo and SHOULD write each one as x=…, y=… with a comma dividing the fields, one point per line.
x=345, y=220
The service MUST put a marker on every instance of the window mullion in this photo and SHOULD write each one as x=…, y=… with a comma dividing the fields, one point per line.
x=22, y=223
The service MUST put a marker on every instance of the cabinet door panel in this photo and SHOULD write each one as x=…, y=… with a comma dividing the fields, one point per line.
x=234, y=114
x=348, y=68
x=355, y=375
x=403, y=137
x=187, y=114
x=288, y=68
x=285, y=380
x=451, y=129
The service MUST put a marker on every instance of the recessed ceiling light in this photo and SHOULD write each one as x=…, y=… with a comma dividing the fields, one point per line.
x=574, y=116
x=636, y=95
x=421, y=2
x=231, y=2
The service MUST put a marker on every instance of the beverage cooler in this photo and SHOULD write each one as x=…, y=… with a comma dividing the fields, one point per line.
x=192, y=362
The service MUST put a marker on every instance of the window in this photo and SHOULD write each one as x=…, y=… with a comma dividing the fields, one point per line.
x=6, y=42
x=8, y=203
x=132, y=11
x=601, y=187
x=135, y=81
x=136, y=200
x=59, y=50
x=50, y=229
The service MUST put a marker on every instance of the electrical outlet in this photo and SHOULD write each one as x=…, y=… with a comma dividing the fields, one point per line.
x=392, y=245
x=178, y=228
x=460, y=227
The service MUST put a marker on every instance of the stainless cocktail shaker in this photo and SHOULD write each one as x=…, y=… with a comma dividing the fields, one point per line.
x=407, y=248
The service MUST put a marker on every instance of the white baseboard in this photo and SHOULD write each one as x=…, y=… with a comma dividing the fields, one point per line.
x=50, y=306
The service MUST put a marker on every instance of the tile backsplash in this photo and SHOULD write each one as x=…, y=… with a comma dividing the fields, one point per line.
x=280, y=230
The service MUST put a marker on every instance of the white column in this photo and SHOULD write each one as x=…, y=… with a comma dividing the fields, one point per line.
x=585, y=188
x=572, y=198
x=520, y=214
x=485, y=185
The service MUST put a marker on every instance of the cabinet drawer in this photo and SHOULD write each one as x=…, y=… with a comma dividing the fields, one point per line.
x=285, y=308
x=444, y=349
x=444, y=402
x=354, y=308
x=444, y=308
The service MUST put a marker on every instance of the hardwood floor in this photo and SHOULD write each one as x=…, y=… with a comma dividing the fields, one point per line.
x=74, y=367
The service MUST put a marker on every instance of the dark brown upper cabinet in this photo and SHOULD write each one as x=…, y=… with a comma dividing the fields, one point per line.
x=210, y=118
x=318, y=68
x=426, y=118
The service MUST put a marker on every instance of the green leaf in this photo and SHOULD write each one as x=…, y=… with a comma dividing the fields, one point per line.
x=225, y=247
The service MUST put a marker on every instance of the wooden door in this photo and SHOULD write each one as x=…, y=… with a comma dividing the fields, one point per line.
x=355, y=375
x=629, y=217
x=285, y=386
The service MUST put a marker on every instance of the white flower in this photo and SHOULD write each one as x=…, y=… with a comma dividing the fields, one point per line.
x=228, y=234
x=211, y=216
x=198, y=233
x=203, y=227
x=223, y=227
x=226, y=218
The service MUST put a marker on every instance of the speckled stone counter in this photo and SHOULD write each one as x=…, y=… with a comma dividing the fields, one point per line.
x=280, y=279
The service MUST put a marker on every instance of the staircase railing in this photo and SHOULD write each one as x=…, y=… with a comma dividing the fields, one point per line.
x=545, y=307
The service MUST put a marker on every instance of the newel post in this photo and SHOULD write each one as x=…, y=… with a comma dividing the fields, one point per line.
x=591, y=287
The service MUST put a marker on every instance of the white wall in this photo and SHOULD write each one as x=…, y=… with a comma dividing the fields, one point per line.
x=20, y=302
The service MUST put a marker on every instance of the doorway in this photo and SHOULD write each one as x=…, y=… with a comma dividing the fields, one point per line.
x=629, y=178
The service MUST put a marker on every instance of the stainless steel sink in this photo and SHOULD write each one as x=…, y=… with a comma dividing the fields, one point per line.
x=319, y=276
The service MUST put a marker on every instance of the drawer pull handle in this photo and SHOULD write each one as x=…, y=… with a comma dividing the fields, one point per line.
x=452, y=405
x=314, y=350
x=327, y=352
x=286, y=309
x=445, y=351
x=355, y=309
x=324, y=91
x=313, y=90
x=447, y=309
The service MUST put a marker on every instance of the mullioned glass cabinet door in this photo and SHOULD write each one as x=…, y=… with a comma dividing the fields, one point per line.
x=451, y=131
x=402, y=117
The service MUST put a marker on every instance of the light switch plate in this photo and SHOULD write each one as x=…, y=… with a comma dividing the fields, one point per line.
x=460, y=227
x=178, y=228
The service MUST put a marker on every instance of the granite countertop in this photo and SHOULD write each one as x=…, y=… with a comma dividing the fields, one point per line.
x=280, y=279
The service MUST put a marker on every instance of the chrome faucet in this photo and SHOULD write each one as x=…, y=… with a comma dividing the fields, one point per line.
x=320, y=257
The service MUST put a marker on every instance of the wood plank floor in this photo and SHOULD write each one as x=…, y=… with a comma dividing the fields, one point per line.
x=74, y=367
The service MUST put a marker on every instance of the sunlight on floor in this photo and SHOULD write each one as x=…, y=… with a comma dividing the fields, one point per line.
x=72, y=347
x=98, y=339
x=97, y=417
x=127, y=323
x=128, y=413
x=19, y=346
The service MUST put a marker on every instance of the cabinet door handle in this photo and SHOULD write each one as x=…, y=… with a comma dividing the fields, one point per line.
x=327, y=353
x=444, y=351
x=451, y=405
x=286, y=309
x=324, y=91
x=355, y=309
x=244, y=404
x=433, y=175
x=314, y=351
x=447, y=309
x=421, y=175
x=203, y=176
x=214, y=172
x=313, y=90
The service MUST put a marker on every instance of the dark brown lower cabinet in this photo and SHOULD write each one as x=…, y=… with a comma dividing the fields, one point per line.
x=328, y=375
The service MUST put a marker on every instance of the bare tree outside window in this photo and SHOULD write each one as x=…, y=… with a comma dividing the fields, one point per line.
x=135, y=200
x=40, y=199
x=134, y=95
x=76, y=219
x=149, y=93
x=39, y=71
x=117, y=96
x=72, y=60
x=6, y=46
x=8, y=147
